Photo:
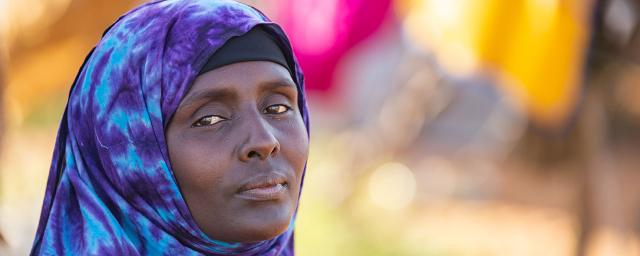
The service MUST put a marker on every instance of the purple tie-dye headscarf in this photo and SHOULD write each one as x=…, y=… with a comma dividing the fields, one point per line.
x=111, y=190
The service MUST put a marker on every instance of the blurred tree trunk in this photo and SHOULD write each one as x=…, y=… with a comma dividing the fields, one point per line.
x=602, y=195
x=604, y=202
x=2, y=121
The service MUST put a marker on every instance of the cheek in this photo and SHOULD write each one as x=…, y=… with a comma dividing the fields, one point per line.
x=198, y=169
x=295, y=146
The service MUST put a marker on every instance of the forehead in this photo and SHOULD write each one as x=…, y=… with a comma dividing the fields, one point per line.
x=242, y=78
x=246, y=70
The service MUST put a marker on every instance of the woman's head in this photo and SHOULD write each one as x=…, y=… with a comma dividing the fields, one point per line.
x=238, y=144
x=154, y=155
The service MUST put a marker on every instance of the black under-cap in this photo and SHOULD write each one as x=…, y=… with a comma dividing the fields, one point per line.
x=255, y=45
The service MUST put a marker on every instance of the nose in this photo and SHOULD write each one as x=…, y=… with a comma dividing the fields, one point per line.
x=260, y=143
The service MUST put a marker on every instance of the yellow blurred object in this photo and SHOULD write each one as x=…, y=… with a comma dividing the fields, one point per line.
x=535, y=49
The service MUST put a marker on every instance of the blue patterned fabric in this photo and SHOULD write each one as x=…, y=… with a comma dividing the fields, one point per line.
x=111, y=190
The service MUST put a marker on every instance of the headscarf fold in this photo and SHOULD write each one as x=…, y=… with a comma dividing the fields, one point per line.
x=111, y=190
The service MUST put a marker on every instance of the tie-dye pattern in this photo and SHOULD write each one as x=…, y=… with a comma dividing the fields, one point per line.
x=111, y=190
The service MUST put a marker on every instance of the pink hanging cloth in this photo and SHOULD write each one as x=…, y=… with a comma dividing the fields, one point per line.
x=323, y=31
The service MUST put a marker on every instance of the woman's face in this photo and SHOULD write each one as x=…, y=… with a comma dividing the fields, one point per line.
x=238, y=147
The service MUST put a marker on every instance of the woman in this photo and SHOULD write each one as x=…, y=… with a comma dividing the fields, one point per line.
x=185, y=133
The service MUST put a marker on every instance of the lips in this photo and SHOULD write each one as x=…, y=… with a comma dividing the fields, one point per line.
x=267, y=187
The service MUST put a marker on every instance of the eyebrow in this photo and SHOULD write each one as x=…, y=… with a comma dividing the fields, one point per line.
x=284, y=87
x=229, y=94
x=214, y=94
x=278, y=83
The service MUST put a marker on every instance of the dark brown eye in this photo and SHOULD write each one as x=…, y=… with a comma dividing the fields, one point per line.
x=277, y=109
x=208, y=120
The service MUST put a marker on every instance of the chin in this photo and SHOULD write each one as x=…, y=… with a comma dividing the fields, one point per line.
x=254, y=233
x=258, y=222
x=266, y=234
x=266, y=227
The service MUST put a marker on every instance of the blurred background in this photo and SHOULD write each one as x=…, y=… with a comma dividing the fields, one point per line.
x=439, y=127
